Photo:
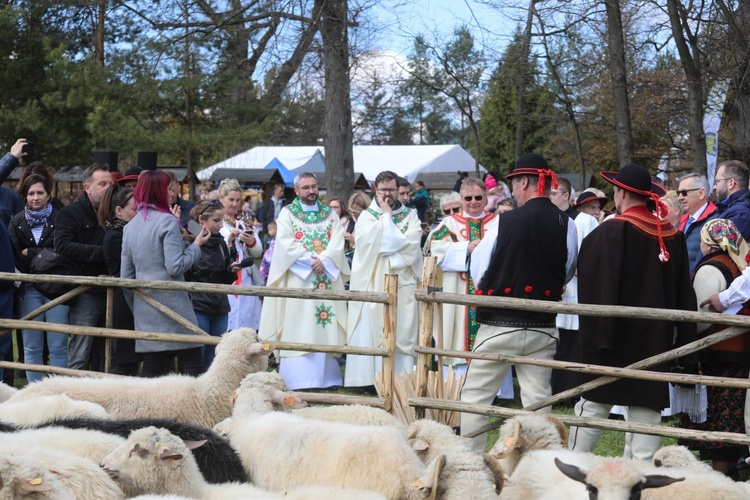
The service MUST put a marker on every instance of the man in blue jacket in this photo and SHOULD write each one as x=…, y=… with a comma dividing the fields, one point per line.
x=731, y=188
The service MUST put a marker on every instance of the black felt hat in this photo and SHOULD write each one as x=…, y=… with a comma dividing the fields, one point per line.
x=131, y=174
x=633, y=178
x=588, y=196
x=529, y=164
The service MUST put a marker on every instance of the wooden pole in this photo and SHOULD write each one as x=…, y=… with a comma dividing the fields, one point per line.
x=259, y=291
x=56, y=370
x=390, y=320
x=584, y=309
x=596, y=423
x=169, y=313
x=52, y=303
x=108, y=325
x=427, y=314
x=340, y=399
x=677, y=378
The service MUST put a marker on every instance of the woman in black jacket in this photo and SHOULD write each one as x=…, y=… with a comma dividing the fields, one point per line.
x=214, y=266
x=115, y=210
x=30, y=231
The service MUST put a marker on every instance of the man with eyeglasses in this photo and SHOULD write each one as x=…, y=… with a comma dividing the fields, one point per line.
x=388, y=237
x=693, y=195
x=731, y=189
x=309, y=254
x=452, y=243
x=531, y=255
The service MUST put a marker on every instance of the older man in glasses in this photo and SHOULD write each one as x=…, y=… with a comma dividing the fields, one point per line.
x=452, y=243
x=693, y=195
x=388, y=241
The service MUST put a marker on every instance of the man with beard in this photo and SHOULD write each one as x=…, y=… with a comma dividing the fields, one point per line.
x=388, y=236
x=309, y=253
x=731, y=188
x=79, y=237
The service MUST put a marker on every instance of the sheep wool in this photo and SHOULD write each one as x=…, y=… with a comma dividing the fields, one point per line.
x=6, y=392
x=45, y=408
x=374, y=458
x=524, y=433
x=351, y=414
x=204, y=400
x=465, y=475
x=24, y=477
x=89, y=444
x=82, y=477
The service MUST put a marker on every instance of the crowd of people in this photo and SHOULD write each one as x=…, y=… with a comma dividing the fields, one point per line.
x=532, y=238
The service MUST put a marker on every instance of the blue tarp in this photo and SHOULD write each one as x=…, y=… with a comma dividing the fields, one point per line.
x=286, y=174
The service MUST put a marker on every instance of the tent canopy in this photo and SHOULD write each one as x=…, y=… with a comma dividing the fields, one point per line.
x=248, y=176
x=406, y=161
x=286, y=174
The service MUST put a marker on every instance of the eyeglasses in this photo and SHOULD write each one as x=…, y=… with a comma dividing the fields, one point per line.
x=684, y=192
x=716, y=181
x=387, y=191
x=211, y=204
x=455, y=210
x=308, y=188
x=475, y=198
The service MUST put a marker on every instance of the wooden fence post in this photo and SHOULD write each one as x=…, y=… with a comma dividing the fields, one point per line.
x=427, y=314
x=108, y=325
x=390, y=318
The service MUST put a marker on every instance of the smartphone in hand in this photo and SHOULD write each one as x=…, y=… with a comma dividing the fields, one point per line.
x=194, y=228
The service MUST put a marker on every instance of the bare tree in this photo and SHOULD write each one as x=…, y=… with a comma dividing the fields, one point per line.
x=618, y=73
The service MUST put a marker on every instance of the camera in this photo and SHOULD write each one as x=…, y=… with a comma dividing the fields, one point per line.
x=28, y=148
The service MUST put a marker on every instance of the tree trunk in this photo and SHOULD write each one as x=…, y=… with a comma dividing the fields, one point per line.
x=99, y=42
x=337, y=121
x=618, y=72
x=691, y=67
x=523, y=80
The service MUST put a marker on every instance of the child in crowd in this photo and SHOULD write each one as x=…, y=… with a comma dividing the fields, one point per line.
x=214, y=266
x=265, y=264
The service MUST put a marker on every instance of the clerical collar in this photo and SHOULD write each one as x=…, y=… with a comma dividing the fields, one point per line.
x=480, y=216
x=309, y=208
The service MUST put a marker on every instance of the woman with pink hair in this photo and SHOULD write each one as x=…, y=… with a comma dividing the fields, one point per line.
x=153, y=249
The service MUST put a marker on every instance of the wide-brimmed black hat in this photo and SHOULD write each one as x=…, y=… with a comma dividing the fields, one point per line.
x=131, y=174
x=588, y=196
x=528, y=164
x=633, y=178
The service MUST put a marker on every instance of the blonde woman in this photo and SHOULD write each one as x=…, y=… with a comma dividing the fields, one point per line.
x=242, y=242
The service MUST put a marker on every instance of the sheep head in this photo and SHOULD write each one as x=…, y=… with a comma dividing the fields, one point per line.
x=244, y=343
x=677, y=456
x=152, y=459
x=22, y=477
x=264, y=392
x=529, y=432
x=614, y=479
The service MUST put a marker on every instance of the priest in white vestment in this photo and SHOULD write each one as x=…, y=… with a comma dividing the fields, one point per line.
x=388, y=237
x=309, y=254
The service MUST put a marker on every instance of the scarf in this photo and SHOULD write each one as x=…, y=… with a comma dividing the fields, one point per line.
x=115, y=223
x=38, y=218
x=723, y=234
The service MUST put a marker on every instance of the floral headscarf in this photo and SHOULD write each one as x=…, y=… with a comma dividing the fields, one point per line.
x=723, y=234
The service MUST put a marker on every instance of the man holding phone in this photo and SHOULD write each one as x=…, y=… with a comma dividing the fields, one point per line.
x=12, y=159
x=388, y=241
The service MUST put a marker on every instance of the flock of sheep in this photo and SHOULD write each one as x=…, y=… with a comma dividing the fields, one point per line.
x=236, y=432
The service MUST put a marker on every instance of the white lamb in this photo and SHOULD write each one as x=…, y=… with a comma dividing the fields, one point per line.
x=46, y=408
x=24, y=477
x=204, y=400
x=82, y=477
x=524, y=433
x=158, y=462
x=351, y=414
x=6, y=392
x=465, y=475
x=679, y=456
x=563, y=475
x=93, y=445
x=281, y=451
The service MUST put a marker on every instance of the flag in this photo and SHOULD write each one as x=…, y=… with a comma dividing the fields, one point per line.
x=711, y=124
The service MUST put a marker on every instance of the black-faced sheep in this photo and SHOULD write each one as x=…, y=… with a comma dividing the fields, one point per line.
x=217, y=460
x=204, y=400
x=281, y=451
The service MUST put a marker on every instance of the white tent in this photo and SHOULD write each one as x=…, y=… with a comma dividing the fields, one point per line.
x=406, y=161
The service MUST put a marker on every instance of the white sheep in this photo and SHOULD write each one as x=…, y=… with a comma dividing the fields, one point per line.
x=158, y=462
x=82, y=477
x=204, y=400
x=46, y=408
x=93, y=445
x=679, y=456
x=281, y=451
x=524, y=433
x=24, y=477
x=6, y=392
x=465, y=475
x=351, y=414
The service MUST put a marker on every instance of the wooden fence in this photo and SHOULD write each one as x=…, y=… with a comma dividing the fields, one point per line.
x=388, y=298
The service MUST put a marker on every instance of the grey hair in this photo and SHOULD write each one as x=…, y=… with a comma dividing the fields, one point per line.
x=473, y=181
x=452, y=197
x=303, y=175
x=699, y=182
x=228, y=185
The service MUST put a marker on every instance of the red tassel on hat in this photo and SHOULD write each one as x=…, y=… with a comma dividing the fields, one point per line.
x=660, y=208
x=542, y=176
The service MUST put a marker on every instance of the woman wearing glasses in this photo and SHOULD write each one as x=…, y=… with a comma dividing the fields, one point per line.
x=452, y=242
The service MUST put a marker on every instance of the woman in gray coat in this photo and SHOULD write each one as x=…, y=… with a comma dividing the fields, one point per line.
x=153, y=249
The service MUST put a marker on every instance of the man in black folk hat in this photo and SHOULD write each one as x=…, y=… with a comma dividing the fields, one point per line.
x=638, y=260
x=531, y=255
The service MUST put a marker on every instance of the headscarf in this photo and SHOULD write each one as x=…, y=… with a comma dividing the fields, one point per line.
x=724, y=235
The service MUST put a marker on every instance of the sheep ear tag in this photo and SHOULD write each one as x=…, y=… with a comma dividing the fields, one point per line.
x=26, y=487
x=290, y=401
